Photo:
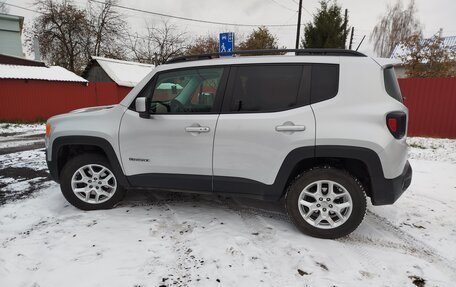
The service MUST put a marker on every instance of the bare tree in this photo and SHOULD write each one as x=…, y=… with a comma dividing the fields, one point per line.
x=426, y=58
x=395, y=27
x=203, y=45
x=4, y=9
x=61, y=30
x=162, y=42
x=260, y=38
x=68, y=35
x=108, y=30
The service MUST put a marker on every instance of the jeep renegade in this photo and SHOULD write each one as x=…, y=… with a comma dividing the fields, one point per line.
x=321, y=130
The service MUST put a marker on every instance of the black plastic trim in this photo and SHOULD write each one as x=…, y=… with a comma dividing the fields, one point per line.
x=298, y=52
x=383, y=191
x=183, y=182
x=60, y=142
x=226, y=185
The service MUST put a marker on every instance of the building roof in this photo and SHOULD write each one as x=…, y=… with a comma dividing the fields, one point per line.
x=399, y=51
x=53, y=73
x=13, y=60
x=124, y=73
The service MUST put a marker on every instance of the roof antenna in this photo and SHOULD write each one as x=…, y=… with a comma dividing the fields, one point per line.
x=360, y=42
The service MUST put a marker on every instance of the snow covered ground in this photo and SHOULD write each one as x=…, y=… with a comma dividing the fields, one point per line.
x=17, y=137
x=171, y=239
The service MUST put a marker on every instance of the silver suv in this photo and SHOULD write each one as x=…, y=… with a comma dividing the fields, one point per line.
x=320, y=129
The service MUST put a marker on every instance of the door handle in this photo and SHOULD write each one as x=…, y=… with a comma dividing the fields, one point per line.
x=290, y=127
x=197, y=129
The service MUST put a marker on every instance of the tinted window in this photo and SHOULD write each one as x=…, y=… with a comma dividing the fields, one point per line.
x=325, y=82
x=391, y=84
x=184, y=91
x=266, y=88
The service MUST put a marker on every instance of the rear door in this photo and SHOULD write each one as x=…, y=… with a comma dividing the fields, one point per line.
x=265, y=115
x=173, y=148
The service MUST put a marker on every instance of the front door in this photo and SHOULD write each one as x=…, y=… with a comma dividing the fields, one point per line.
x=173, y=148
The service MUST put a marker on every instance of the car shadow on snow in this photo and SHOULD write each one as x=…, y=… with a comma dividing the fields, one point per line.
x=157, y=197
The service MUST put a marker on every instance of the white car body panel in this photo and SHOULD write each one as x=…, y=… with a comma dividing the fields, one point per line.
x=247, y=145
x=165, y=145
x=100, y=122
x=357, y=115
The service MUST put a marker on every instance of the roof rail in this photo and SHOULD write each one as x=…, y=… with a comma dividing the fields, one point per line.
x=298, y=52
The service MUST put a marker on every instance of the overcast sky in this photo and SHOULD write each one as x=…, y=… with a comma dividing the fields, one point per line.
x=363, y=15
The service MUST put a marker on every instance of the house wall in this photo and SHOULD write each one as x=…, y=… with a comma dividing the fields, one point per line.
x=96, y=74
x=10, y=36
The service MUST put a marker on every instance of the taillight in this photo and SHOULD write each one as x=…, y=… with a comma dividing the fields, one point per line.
x=397, y=124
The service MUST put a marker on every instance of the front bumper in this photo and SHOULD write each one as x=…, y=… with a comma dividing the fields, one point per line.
x=52, y=167
x=387, y=191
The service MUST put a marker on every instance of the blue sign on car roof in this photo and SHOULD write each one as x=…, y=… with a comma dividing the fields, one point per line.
x=226, y=43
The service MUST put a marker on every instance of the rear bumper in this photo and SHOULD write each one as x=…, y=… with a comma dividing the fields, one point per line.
x=387, y=191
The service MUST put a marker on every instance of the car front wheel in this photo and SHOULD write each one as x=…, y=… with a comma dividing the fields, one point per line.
x=88, y=182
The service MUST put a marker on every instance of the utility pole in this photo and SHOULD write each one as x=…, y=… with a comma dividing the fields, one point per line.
x=345, y=28
x=299, y=24
x=351, y=38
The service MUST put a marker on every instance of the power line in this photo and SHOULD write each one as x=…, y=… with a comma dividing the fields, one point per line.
x=170, y=16
x=308, y=12
x=23, y=8
x=283, y=6
x=192, y=19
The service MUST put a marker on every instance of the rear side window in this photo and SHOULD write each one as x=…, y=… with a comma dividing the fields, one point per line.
x=391, y=84
x=266, y=88
x=325, y=82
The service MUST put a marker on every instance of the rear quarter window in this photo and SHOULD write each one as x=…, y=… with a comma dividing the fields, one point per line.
x=324, y=83
x=391, y=84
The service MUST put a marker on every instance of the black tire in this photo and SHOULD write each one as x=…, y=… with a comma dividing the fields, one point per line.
x=69, y=170
x=342, y=177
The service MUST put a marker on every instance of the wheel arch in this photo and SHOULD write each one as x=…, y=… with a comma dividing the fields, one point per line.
x=363, y=163
x=66, y=147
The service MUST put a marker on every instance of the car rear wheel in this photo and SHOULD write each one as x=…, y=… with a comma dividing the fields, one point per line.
x=326, y=203
x=88, y=182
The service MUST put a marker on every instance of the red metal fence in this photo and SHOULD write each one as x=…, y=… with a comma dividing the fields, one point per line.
x=31, y=100
x=432, y=106
x=431, y=101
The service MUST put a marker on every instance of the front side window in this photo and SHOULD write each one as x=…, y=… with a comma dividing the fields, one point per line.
x=185, y=91
x=266, y=88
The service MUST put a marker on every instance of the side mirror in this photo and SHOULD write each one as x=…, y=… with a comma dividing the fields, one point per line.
x=141, y=105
